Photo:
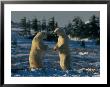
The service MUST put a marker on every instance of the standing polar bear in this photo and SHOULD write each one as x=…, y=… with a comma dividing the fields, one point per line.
x=63, y=49
x=37, y=51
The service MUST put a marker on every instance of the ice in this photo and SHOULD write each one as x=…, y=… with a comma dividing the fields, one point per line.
x=85, y=62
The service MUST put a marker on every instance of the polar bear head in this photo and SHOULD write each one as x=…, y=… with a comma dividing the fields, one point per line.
x=41, y=35
x=59, y=31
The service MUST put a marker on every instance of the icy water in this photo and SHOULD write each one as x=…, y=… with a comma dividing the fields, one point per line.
x=85, y=62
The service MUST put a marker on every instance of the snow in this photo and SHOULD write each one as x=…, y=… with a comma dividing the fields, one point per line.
x=78, y=39
x=17, y=29
x=87, y=22
x=83, y=53
x=85, y=62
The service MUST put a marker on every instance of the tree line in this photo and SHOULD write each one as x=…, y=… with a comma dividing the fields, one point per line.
x=37, y=25
x=76, y=28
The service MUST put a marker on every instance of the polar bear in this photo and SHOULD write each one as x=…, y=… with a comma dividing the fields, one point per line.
x=63, y=49
x=37, y=51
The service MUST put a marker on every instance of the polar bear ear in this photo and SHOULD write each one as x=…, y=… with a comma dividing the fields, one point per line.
x=41, y=35
x=59, y=31
x=38, y=35
x=56, y=30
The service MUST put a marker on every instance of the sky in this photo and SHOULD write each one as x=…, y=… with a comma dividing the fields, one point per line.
x=62, y=17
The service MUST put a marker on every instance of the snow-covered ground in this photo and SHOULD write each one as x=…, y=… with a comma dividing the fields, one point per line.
x=85, y=62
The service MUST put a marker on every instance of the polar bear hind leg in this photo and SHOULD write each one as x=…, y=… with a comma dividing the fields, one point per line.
x=64, y=62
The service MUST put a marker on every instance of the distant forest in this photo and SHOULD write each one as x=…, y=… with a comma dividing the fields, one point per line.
x=76, y=28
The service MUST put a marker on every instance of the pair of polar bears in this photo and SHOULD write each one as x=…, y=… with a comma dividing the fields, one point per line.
x=38, y=49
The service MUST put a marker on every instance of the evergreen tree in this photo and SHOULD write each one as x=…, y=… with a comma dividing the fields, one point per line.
x=24, y=25
x=28, y=26
x=94, y=27
x=69, y=29
x=39, y=28
x=44, y=24
x=51, y=24
x=56, y=24
x=35, y=24
x=78, y=27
